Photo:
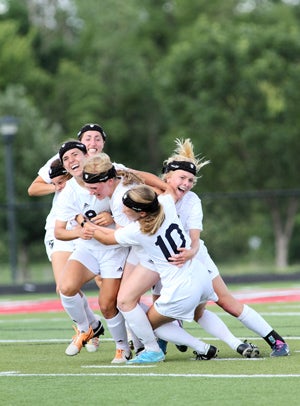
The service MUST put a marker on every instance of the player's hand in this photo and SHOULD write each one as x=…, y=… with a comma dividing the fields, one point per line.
x=103, y=219
x=182, y=257
x=87, y=231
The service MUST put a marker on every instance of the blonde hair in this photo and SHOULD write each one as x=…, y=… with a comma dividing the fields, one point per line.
x=101, y=163
x=150, y=223
x=184, y=151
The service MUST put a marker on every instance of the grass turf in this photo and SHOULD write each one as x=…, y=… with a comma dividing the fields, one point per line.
x=34, y=369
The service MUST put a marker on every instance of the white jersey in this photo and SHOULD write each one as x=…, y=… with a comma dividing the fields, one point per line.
x=189, y=210
x=75, y=199
x=116, y=205
x=44, y=170
x=183, y=288
x=162, y=244
x=51, y=243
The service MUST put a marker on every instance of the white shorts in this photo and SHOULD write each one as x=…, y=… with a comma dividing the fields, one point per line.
x=107, y=263
x=204, y=257
x=53, y=245
x=138, y=256
x=156, y=289
x=180, y=300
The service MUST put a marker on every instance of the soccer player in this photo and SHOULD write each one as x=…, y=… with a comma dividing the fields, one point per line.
x=180, y=173
x=93, y=137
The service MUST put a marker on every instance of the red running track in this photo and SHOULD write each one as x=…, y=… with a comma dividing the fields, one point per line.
x=54, y=305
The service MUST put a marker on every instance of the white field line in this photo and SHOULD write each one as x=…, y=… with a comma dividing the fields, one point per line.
x=65, y=340
x=63, y=320
x=15, y=374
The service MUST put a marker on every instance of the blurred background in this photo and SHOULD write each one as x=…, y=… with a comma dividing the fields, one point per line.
x=225, y=74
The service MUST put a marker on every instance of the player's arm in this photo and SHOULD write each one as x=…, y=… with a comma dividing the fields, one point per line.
x=102, y=234
x=40, y=188
x=151, y=180
x=61, y=232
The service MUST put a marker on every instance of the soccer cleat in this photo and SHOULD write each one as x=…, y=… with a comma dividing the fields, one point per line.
x=248, y=350
x=93, y=344
x=147, y=357
x=139, y=350
x=182, y=348
x=162, y=345
x=99, y=330
x=121, y=356
x=79, y=340
x=280, y=349
x=210, y=353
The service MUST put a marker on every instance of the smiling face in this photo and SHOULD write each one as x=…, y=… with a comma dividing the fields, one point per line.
x=93, y=141
x=181, y=182
x=73, y=161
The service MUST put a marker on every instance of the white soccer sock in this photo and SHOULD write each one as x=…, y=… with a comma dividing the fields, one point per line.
x=73, y=305
x=177, y=335
x=253, y=321
x=117, y=329
x=93, y=321
x=137, y=344
x=211, y=323
x=138, y=322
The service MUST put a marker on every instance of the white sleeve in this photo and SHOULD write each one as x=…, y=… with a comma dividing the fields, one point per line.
x=66, y=204
x=189, y=210
x=126, y=236
x=44, y=170
x=195, y=216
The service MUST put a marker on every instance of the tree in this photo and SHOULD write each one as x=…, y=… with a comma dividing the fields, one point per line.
x=233, y=88
x=29, y=153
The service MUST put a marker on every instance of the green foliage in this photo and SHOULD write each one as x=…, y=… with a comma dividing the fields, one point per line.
x=224, y=74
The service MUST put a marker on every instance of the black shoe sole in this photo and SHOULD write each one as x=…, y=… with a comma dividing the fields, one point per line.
x=182, y=348
x=99, y=331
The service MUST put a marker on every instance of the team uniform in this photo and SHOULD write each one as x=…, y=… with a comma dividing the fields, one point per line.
x=190, y=213
x=136, y=254
x=44, y=170
x=51, y=243
x=183, y=288
x=189, y=210
x=100, y=259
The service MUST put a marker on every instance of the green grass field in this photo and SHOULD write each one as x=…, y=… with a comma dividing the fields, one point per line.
x=35, y=371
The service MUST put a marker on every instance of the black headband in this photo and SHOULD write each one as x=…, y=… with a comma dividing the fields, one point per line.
x=92, y=127
x=147, y=207
x=183, y=165
x=99, y=177
x=56, y=171
x=71, y=145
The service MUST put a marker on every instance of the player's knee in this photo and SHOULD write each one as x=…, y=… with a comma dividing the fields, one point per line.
x=67, y=289
x=126, y=304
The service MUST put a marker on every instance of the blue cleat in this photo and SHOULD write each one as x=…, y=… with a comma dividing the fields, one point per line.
x=147, y=357
x=280, y=349
x=162, y=345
